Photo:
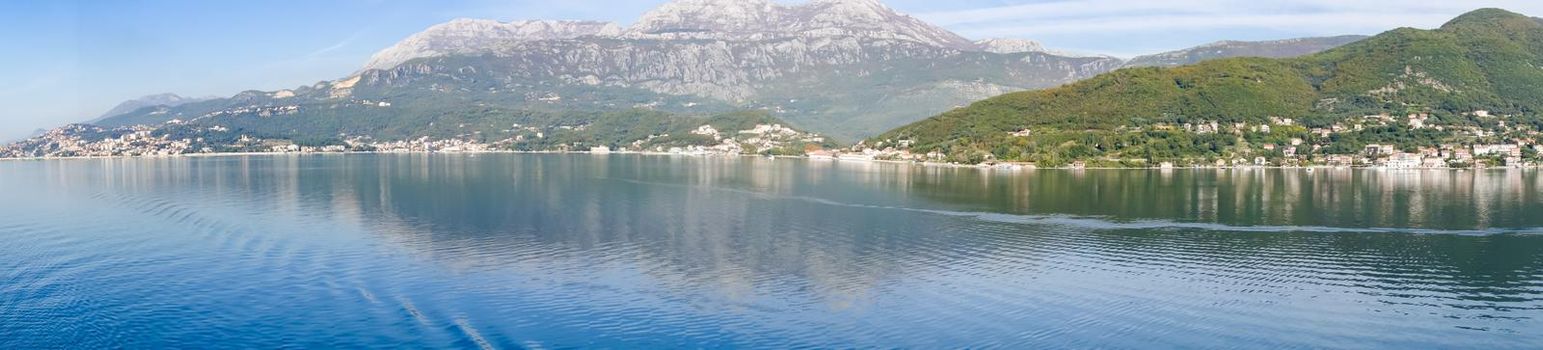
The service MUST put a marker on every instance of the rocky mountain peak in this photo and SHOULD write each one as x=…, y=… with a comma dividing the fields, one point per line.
x=697, y=16
x=870, y=19
x=854, y=9
x=743, y=20
x=1010, y=46
x=719, y=20
x=471, y=36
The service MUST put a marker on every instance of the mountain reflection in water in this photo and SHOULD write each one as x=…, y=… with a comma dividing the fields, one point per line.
x=628, y=251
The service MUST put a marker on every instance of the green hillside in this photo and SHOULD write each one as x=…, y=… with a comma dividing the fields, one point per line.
x=1486, y=60
x=522, y=130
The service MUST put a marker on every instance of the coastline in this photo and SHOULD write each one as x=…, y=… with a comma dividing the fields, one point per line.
x=998, y=167
x=1308, y=168
x=248, y=154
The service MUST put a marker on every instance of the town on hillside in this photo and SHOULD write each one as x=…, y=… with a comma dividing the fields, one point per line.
x=1284, y=142
x=87, y=141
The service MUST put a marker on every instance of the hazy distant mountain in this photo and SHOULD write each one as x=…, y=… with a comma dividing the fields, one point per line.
x=1225, y=49
x=168, y=100
x=846, y=68
x=35, y=133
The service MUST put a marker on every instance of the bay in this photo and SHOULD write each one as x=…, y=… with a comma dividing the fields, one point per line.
x=628, y=251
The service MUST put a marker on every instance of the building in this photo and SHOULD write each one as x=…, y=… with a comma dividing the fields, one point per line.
x=1500, y=149
x=1404, y=161
x=1373, y=150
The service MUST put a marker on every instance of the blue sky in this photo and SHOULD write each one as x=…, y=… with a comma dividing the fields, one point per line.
x=70, y=60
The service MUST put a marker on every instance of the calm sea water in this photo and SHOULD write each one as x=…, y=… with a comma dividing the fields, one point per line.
x=563, y=251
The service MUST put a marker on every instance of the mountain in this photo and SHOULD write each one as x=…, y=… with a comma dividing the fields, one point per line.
x=1473, y=81
x=1010, y=46
x=849, y=68
x=167, y=99
x=756, y=20
x=477, y=36
x=845, y=68
x=1226, y=49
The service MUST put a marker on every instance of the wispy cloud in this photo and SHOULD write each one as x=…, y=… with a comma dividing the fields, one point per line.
x=334, y=47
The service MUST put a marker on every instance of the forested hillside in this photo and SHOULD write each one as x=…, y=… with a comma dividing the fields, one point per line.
x=1475, y=80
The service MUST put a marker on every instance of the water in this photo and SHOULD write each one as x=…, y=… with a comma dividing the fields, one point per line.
x=564, y=251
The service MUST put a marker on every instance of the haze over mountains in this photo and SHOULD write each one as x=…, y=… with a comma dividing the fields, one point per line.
x=167, y=100
x=847, y=68
x=1225, y=49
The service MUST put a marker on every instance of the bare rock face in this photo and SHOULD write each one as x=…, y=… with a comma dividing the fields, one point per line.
x=1009, y=46
x=708, y=19
x=477, y=36
x=754, y=20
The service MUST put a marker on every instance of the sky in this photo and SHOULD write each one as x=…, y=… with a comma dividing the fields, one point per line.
x=71, y=60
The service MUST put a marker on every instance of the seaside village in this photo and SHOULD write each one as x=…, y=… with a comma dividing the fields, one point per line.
x=81, y=140
x=760, y=139
x=1513, y=146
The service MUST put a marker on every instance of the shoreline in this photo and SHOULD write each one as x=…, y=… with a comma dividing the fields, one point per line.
x=1014, y=168
x=1022, y=167
x=248, y=154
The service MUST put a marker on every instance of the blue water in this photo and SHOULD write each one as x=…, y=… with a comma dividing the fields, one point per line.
x=577, y=251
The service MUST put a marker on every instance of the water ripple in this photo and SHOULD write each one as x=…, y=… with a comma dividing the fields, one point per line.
x=621, y=252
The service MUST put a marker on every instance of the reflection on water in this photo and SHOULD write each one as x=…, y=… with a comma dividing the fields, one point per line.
x=551, y=251
x=1333, y=197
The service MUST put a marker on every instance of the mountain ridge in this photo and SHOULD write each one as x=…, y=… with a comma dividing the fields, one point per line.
x=163, y=99
x=1236, y=48
x=1472, y=81
x=845, y=68
x=472, y=36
